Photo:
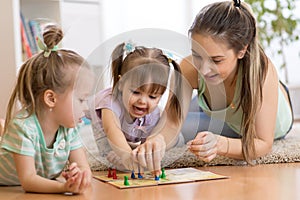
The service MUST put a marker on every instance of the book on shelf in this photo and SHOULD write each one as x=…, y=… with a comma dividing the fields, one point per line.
x=28, y=34
x=30, y=30
x=25, y=44
x=35, y=30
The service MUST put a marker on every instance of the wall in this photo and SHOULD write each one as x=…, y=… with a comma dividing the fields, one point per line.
x=8, y=57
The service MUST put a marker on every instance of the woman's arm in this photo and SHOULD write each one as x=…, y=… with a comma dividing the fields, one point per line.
x=265, y=121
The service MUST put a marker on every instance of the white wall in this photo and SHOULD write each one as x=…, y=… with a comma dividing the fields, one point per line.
x=101, y=20
x=8, y=56
x=89, y=23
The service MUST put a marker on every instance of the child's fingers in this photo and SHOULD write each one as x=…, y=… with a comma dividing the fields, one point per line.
x=73, y=165
x=74, y=187
x=141, y=169
x=73, y=170
x=157, y=162
x=149, y=156
x=140, y=157
x=85, y=182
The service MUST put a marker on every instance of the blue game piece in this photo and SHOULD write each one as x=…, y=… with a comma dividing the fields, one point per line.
x=132, y=175
x=140, y=175
x=156, y=178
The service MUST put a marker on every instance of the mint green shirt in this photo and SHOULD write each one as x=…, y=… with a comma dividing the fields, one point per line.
x=233, y=117
x=25, y=137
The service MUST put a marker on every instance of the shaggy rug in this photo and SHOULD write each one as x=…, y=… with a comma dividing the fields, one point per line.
x=284, y=151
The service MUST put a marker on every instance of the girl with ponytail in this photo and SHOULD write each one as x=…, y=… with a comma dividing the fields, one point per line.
x=41, y=133
x=136, y=129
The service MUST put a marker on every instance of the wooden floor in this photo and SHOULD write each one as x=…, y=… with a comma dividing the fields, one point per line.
x=272, y=181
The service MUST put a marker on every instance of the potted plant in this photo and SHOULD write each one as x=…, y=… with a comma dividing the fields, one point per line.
x=278, y=27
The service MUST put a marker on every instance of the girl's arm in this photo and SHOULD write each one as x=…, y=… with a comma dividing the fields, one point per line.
x=112, y=128
x=117, y=140
x=76, y=183
x=79, y=165
x=30, y=181
x=79, y=156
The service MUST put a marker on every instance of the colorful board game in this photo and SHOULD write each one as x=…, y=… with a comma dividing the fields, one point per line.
x=169, y=176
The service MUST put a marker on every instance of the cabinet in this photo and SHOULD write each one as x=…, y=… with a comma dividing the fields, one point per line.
x=65, y=12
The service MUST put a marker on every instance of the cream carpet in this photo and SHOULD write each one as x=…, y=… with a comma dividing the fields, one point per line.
x=284, y=151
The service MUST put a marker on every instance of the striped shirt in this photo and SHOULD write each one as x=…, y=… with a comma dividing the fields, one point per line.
x=25, y=137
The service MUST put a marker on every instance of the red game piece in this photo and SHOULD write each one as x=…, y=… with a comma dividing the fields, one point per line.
x=114, y=175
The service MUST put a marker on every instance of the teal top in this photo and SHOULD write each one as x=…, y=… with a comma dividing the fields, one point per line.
x=25, y=137
x=233, y=117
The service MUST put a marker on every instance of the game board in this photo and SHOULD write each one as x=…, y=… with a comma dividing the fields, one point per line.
x=180, y=175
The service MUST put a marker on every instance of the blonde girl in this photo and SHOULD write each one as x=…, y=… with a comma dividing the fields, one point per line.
x=41, y=127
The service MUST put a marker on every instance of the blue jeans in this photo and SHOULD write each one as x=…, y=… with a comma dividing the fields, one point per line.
x=197, y=121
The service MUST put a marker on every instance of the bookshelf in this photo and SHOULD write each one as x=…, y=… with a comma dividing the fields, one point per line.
x=10, y=40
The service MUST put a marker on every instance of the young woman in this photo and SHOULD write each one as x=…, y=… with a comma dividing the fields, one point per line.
x=240, y=97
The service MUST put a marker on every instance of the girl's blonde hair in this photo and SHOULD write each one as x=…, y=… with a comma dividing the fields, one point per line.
x=148, y=64
x=236, y=26
x=56, y=71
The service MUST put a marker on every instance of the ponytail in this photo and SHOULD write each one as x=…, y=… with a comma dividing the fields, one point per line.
x=116, y=63
x=176, y=99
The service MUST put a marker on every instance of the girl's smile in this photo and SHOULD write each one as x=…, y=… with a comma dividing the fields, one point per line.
x=139, y=102
x=139, y=111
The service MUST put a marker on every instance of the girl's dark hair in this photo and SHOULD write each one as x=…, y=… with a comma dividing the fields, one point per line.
x=236, y=27
x=144, y=66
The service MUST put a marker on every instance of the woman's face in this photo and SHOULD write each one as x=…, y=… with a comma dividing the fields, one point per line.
x=214, y=60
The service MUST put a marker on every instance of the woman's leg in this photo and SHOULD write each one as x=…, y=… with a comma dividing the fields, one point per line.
x=197, y=121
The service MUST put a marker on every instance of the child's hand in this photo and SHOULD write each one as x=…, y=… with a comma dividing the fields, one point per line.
x=150, y=153
x=124, y=163
x=71, y=171
x=77, y=180
x=204, y=146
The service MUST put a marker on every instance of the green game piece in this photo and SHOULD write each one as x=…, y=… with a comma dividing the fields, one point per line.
x=163, y=175
x=126, y=183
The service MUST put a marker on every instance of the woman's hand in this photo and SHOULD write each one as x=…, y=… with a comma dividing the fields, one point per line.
x=204, y=146
x=150, y=153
